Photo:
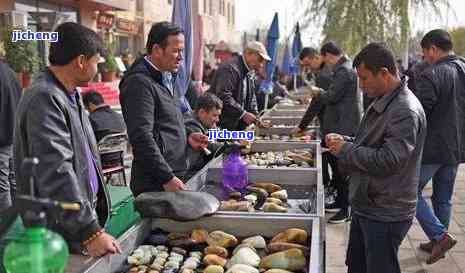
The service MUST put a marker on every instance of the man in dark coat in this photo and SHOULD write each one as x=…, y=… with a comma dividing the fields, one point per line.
x=151, y=107
x=103, y=119
x=311, y=58
x=52, y=125
x=10, y=93
x=343, y=112
x=441, y=91
x=234, y=84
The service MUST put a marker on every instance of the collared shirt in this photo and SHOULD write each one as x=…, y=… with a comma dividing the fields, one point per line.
x=167, y=77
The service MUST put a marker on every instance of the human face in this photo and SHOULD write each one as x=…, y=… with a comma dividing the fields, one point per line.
x=430, y=54
x=86, y=68
x=170, y=57
x=255, y=61
x=209, y=119
x=315, y=62
x=305, y=63
x=372, y=84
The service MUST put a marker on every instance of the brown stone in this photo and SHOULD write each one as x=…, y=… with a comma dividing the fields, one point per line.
x=216, y=250
x=292, y=235
x=199, y=235
x=212, y=259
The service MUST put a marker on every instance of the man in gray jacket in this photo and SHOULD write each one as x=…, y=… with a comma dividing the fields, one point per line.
x=343, y=112
x=441, y=91
x=51, y=125
x=383, y=161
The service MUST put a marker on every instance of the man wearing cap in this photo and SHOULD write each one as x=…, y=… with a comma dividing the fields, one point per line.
x=234, y=84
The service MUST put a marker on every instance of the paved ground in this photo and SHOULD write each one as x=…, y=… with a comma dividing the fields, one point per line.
x=412, y=259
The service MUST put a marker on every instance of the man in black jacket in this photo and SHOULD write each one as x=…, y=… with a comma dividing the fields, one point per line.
x=441, y=91
x=103, y=119
x=10, y=93
x=52, y=125
x=151, y=107
x=205, y=117
x=383, y=161
x=311, y=58
x=343, y=113
x=234, y=84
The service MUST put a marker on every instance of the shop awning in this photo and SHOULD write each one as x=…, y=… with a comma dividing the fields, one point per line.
x=111, y=4
x=100, y=5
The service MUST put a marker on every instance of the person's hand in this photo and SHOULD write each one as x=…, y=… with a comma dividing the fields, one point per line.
x=249, y=118
x=334, y=143
x=103, y=245
x=316, y=91
x=264, y=123
x=296, y=130
x=198, y=141
x=175, y=184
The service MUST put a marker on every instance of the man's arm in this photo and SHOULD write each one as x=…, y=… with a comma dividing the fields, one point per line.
x=49, y=139
x=138, y=107
x=338, y=88
x=313, y=109
x=426, y=92
x=399, y=142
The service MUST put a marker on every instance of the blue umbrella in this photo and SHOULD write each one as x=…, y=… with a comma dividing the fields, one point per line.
x=286, y=64
x=182, y=16
x=296, y=48
x=272, y=48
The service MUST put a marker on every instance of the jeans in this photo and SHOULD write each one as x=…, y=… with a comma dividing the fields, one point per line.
x=373, y=245
x=435, y=221
x=7, y=177
x=341, y=183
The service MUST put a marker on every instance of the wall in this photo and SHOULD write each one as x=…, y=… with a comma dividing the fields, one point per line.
x=155, y=11
x=7, y=5
x=88, y=15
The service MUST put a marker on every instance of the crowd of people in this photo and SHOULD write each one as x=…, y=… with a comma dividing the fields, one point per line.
x=387, y=137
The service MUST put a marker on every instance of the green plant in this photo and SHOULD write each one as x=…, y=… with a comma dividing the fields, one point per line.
x=110, y=64
x=458, y=38
x=22, y=56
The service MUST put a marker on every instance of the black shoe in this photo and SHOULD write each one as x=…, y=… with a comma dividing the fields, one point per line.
x=333, y=207
x=341, y=217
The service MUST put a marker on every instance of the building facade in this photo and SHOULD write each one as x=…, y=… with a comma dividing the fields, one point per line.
x=45, y=15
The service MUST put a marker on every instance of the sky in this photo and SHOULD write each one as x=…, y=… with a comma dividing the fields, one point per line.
x=252, y=13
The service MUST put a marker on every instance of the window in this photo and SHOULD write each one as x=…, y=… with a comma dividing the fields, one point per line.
x=170, y=2
x=229, y=13
x=211, y=8
x=204, y=6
